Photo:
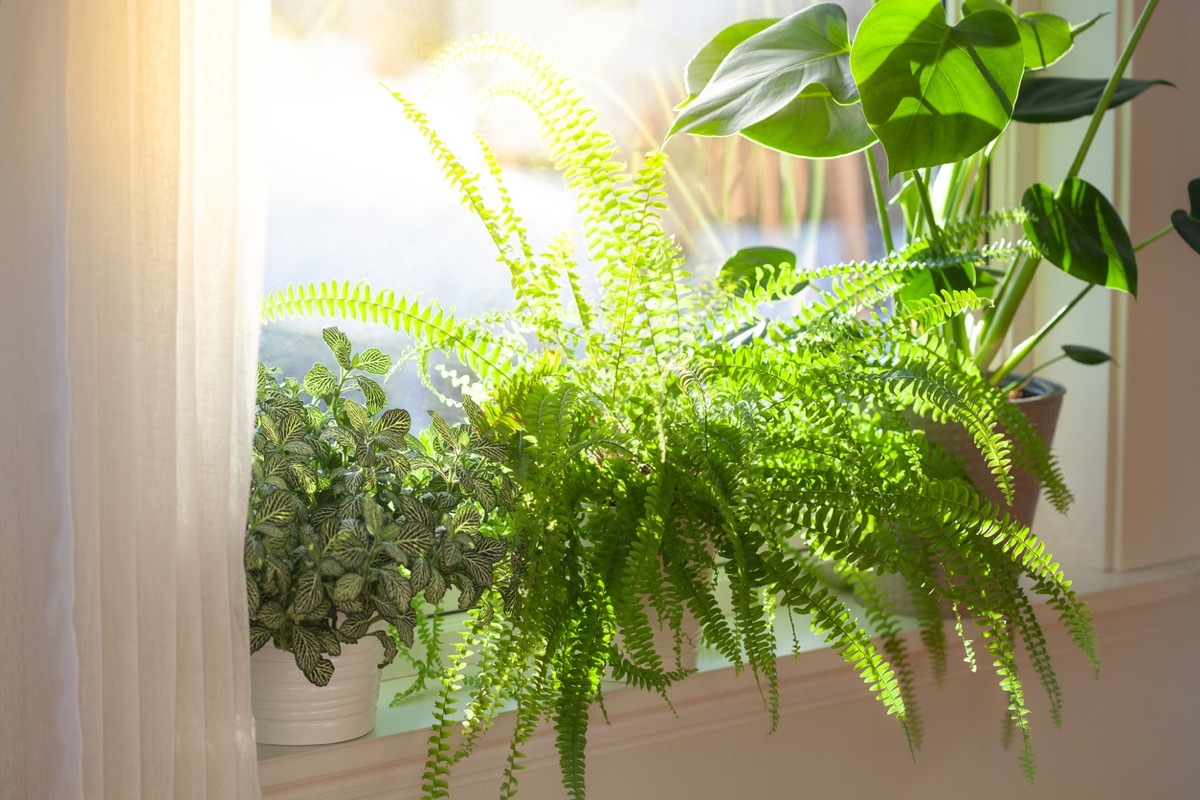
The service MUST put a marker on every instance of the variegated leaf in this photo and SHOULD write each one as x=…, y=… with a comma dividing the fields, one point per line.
x=351, y=549
x=404, y=624
x=365, y=454
x=393, y=425
x=291, y=429
x=397, y=587
x=277, y=508
x=354, y=480
x=272, y=615
x=474, y=413
x=450, y=555
x=482, y=559
x=435, y=590
x=347, y=588
x=417, y=512
x=373, y=393
x=390, y=651
x=253, y=596
x=443, y=431
x=252, y=552
x=359, y=420
x=306, y=647
x=394, y=551
x=299, y=447
x=354, y=628
x=466, y=519
x=319, y=382
x=468, y=594
x=374, y=361
x=421, y=572
x=259, y=636
x=486, y=494
x=310, y=593
x=330, y=644
x=339, y=344
x=343, y=436
x=487, y=448
x=373, y=515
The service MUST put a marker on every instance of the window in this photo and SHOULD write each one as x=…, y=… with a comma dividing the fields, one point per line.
x=354, y=193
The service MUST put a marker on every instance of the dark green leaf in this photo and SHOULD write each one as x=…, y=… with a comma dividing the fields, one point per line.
x=373, y=361
x=310, y=594
x=272, y=615
x=1081, y=233
x=935, y=94
x=348, y=587
x=748, y=267
x=1044, y=99
x=351, y=549
x=373, y=393
x=396, y=587
x=339, y=344
x=319, y=382
x=1085, y=355
x=481, y=560
x=474, y=414
x=306, y=647
x=259, y=636
x=277, y=508
x=466, y=519
x=787, y=86
x=1187, y=223
x=442, y=429
x=390, y=651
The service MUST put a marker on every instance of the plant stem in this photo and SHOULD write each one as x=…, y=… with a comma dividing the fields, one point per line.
x=1154, y=238
x=1114, y=80
x=885, y=228
x=1006, y=309
x=926, y=204
x=1025, y=347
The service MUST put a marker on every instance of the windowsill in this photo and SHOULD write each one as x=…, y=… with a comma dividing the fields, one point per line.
x=394, y=753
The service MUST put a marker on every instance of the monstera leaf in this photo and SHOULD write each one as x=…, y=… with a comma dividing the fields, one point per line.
x=935, y=93
x=786, y=85
x=1045, y=38
x=1081, y=233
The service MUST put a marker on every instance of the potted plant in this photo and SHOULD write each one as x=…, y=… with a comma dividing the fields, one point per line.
x=353, y=522
x=937, y=97
x=659, y=450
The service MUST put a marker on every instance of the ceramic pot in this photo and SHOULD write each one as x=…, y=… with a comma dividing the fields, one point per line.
x=1041, y=407
x=291, y=711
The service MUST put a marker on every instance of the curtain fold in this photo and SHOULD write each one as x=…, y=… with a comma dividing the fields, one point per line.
x=131, y=244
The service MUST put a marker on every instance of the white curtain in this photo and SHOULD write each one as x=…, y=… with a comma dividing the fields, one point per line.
x=131, y=233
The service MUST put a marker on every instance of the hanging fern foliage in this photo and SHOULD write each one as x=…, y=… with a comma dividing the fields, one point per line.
x=666, y=439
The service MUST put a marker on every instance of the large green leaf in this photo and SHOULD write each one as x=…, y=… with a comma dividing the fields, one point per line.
x=1081, y=233
x=1045, y=38
x=704, y=64
x=319, y=382
x=787, y=86
x=935, y=94
x=339, y=344
x=1061, y=99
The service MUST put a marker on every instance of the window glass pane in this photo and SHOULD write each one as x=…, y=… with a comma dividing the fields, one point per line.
x=354, y=193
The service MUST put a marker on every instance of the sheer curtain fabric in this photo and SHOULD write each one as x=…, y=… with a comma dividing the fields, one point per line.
x=131, y=227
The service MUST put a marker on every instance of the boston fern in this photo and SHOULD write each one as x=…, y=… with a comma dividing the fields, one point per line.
x=353, y=521
x=669, y=438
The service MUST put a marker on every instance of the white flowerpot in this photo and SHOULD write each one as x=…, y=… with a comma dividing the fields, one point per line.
x=290, y=710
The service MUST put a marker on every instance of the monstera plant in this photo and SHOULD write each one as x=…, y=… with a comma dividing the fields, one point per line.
x=937, y=96
x=353, y=521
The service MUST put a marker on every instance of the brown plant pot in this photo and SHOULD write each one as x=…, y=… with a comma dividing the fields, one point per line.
x=1041, y=404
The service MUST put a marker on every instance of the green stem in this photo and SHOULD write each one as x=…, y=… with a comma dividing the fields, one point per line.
x=1025, y=381
x=885, y=228
x=1154, y=238
x=1023, y=349
x=927, y=204
x=1007, y=307
x=1114, y=81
